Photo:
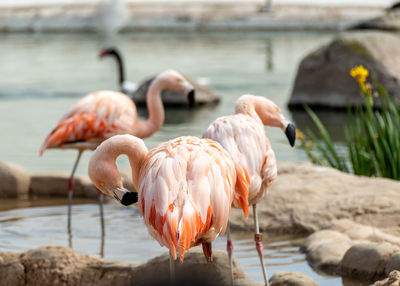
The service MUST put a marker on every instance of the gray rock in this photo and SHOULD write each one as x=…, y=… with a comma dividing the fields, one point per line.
x=56, y=265
x=323, y=78
x=392, y=280
x=388, y=22
x=325, y=250
x=14, y=180
x=393, y=263
x=367, y=261
x=56, y=185
x=358, y=251
x=285, y=278
x=304, y=198
x=204, y=95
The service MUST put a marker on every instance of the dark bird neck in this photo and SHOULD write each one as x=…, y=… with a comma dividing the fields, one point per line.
x=121, y=72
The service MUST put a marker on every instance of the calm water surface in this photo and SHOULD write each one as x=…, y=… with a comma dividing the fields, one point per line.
x=42, y=75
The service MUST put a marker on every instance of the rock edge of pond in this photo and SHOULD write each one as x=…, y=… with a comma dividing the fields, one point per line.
x=58, y=265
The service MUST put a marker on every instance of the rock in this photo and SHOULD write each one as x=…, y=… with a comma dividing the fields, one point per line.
x=195, y=270
x=304, y=198
x=367, y=261
x=388, y=22
x=393, y=263
x=14, y=180
x=11, y=270
x=323, y=78
x=204, y=95
x=285, y=278
x=392, y=280
x=325, y=250
x=347, y=248
x=56, y=265
x=56, y=185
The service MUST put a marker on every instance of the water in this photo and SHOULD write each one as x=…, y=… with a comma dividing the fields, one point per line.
x=42, y=75
x=23, y=228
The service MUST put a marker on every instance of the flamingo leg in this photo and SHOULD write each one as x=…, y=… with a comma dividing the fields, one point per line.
x=70, y=193
x=229, y=249
x=171, y=270
x=103, y=233
x=259, y=245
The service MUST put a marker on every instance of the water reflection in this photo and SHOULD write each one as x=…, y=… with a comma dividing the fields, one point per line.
x=127, y=238
x=335, y=122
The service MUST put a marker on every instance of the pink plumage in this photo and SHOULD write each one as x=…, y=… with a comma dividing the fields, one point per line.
x=185, y=187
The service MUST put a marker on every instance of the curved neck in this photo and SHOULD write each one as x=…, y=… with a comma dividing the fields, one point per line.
x=155, y=108
x=120, y=64
x=246, y=105
x=103, y=160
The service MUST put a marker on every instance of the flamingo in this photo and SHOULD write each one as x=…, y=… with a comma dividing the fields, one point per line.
x=102, y=114
x=243, y=136
x=185, y=188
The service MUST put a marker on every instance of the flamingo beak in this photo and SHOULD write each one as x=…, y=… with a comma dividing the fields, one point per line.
x=125, y=197
x=290, y=132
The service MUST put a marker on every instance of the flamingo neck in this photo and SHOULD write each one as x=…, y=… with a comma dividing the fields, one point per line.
x=155, y=108
x=247, y=106
x=107, y=153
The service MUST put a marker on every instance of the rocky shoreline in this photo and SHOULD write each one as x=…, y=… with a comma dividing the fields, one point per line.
x=352, y=221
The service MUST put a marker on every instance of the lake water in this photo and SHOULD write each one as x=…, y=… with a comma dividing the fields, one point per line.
x=42, y=75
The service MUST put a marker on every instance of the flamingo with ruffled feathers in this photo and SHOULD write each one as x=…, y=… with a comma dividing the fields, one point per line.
x=102, y=114
x=185, y=188
x=243, y=136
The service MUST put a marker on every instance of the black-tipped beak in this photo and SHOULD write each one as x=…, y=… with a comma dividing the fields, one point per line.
x=129, y=198
x=291, y=134
x=191, y=98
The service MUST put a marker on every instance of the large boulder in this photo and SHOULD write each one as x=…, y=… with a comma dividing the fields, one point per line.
x=14, y=180
x=305, y=197
x=323, y=78
x=56, y=265
x=203, y=95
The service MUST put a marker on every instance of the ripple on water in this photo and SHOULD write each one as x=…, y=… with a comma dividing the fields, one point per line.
x=127, y=238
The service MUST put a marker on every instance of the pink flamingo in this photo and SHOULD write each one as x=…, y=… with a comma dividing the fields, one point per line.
x=243, y=136
x=102, y=114
x=185, y=188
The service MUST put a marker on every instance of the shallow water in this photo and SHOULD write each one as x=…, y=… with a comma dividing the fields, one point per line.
x=42, y=75
x=23, y=228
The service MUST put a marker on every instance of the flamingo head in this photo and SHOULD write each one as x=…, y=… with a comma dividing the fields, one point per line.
x=176, y=82
x=108, y=51
x=269, y=113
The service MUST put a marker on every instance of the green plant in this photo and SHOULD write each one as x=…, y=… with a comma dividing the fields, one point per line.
x=372, y=138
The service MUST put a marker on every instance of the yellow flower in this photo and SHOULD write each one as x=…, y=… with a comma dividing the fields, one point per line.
x=359, y=73
x=309, y=144
x=300, y=135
